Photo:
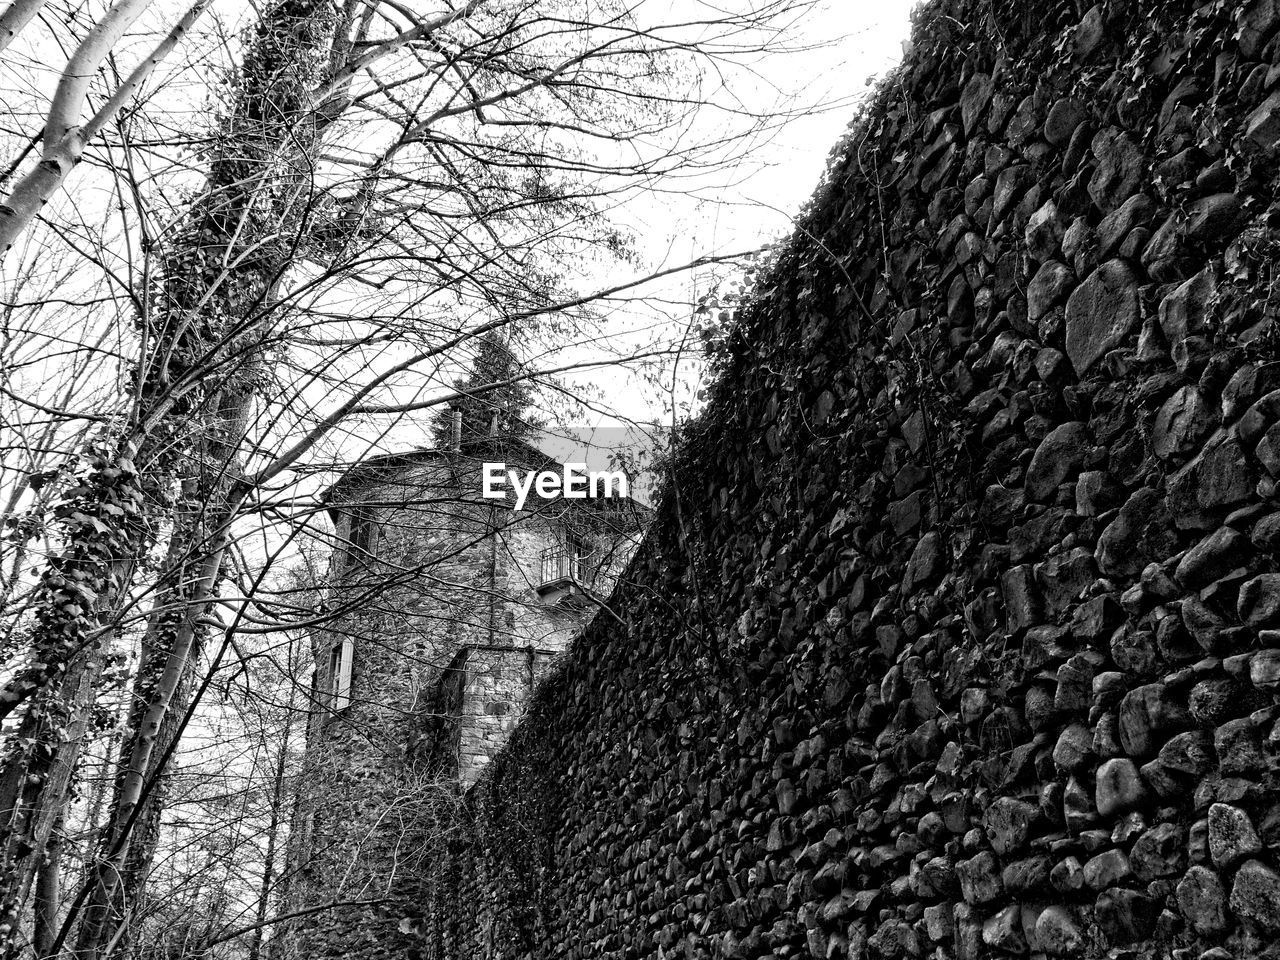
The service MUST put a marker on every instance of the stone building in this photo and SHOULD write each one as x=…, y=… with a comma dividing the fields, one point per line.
x=444, y=609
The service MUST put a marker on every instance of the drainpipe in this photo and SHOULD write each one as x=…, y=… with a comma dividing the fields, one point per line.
x=493, y=576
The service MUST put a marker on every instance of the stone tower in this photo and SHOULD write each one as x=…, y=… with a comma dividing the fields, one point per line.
x=443, y=611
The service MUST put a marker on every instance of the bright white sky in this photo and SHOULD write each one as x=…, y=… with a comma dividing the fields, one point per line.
x=855, y=42
x=864, y=40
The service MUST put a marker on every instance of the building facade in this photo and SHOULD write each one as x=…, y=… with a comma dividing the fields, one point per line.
x=443, y=610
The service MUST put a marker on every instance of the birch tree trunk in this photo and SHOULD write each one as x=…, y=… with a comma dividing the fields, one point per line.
x=16, y=16
x=175, y=648
x=64, y=139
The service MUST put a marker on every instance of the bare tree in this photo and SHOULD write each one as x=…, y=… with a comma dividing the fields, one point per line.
x=64, y=136
x=380, y=189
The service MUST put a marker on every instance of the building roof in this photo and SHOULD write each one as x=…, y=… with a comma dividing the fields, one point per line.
x=510, y=450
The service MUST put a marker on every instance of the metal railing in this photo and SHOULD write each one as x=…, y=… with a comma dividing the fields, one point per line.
x=560, y=564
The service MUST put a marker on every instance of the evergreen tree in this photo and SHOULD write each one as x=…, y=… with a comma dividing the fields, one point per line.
x=494, y=402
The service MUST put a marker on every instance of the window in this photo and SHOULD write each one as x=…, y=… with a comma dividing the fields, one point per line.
x=340, y=656
x=359, y=538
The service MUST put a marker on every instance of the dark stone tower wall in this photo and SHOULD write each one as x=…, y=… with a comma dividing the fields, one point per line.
x=435, y=590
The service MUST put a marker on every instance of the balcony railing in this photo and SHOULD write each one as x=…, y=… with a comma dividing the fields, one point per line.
x=559, y=566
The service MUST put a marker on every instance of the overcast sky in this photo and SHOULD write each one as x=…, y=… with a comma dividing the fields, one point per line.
x=853, y=42
x=866, y=38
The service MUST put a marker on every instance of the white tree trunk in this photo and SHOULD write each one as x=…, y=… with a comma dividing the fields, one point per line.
x=64, y=139
x=16, y=16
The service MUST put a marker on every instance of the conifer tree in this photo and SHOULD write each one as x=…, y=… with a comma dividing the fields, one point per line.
x=497, y=399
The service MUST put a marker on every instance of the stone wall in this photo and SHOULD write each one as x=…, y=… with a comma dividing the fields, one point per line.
x=958, y=632
x=498, y=683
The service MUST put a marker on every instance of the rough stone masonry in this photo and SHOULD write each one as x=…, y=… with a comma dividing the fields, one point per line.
x=958, y=633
